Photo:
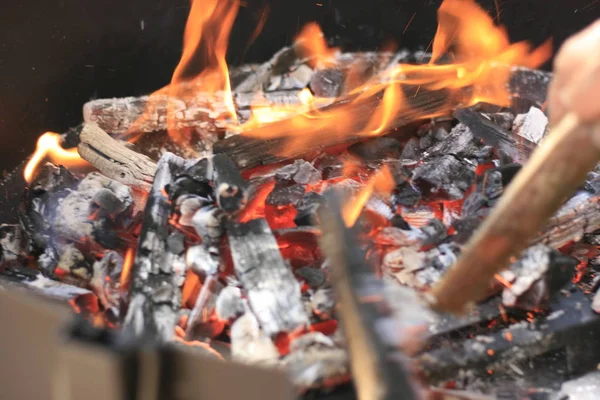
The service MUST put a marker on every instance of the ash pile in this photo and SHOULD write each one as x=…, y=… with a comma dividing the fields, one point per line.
x=220, y=247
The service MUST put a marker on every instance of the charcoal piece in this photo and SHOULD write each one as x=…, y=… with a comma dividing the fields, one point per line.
x=426, y=141
x=108, y=200
x=286, y=195
x=531, y=126
x=157, y=273
x=502, y=119
x=272, y=290
x=473, y=203
x=175, y=243
x=327, y=82
x=48, y=260
x=202, y=260
x=530, y=84
x=492, y=184
x=376, y=149
x=307, y=209
x=444, y=177
x=406, y=195
x=411, y=150
x=229, y=304
x=465, y=227
x=105, y=233
x=300, y=171
x=323, y=302
x=435, y=232
x=330, y=166
x=230, y=187
x=12, y=242
x=202, y=171
x=314, y=277
x=51, y=179
x=493, y=135
x=398, y=222
x=208, y=223
x=186, y=185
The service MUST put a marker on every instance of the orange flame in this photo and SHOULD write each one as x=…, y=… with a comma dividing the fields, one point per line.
x=310, y=43
x=126, y=270
x=381, y=182
x=49, y=145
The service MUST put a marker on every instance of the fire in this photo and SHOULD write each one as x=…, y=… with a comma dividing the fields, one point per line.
x=49, y=145
x=311, y=44
x=126, y=270
x=381, y=182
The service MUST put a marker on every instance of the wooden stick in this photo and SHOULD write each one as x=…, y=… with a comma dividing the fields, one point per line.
x=554, y=172
x=377, y=371
x=114, y=159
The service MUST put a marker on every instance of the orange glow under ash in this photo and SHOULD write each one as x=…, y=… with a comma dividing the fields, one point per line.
x=126, y=270
x=48, y=146
x=381, y=182
x=310, y=43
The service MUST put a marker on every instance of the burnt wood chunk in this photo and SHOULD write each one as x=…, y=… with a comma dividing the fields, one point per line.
x=273, y=291
x=157, y=273
x=368, y=323
x=249, y=149
x=230, y=187
x=518, y=149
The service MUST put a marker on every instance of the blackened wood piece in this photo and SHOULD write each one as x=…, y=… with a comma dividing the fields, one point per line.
x=529, y=84
x=155, y=293
x=366, y=318
x=249, y=150
x=230, y=187
x=569, y=316
x=273, y=291
x=517, y=148
x=114, y=159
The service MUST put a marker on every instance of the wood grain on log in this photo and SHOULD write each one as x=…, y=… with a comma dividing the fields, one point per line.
x=114, y=159
x=273, y=291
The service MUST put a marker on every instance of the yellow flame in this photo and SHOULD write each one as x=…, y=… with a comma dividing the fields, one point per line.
x=48, y=146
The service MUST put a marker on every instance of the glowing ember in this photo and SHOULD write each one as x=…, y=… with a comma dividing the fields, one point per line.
x=48, y=145
x=126, y=270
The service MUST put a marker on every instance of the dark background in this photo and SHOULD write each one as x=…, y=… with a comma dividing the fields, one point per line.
x=56, y=55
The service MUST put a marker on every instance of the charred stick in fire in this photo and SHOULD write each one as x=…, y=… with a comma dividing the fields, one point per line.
x=157, y=273
x=273, y=291
x=554, y=172
x=518, y=149
x=114, y=159
x=250, y=149
x=230, y=187
x=366, y=318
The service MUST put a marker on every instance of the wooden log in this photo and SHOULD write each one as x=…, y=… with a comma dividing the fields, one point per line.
x=114, y=159
x=251, y=148
x=366, y=318
x=273, y=291
x=157, y=273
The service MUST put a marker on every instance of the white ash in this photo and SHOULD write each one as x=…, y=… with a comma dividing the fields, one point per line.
x=397, y=237
x=55, y=288
x=532, y=266
x=188, y=205
x=11, y=241
x=249, y=344
x=532, y=126
x=417, y=216
x=208, y=223
x=229, y=304
x=105, y=279
x=314, y=358
x=296, y=79
x=72, y=213
x=586, y=387
x=202, y=260
x=323, y=302
x=379, y=206
x=73, y=261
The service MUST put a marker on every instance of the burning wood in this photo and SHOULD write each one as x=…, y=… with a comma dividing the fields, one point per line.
x=273, y=292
